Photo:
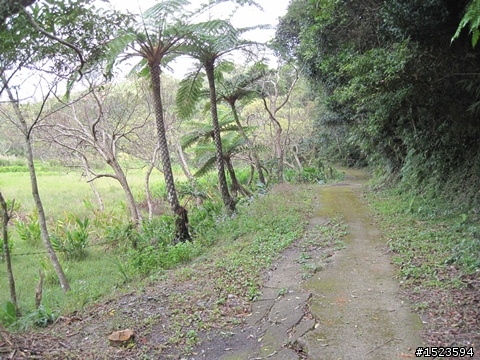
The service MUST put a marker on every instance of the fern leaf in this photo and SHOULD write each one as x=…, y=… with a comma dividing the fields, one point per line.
x=165, y=8
x=472, y=17
x=189, y=93
x=208, y=166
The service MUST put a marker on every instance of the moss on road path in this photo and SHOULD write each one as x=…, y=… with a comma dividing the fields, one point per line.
x=350, y=306
x=356, y=301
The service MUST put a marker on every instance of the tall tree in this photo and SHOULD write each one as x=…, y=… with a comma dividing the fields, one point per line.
x=241, y=88
x=101, y=121
x=278, y=96
x=233, y=145
x=163, y=28
x=208, y=43
x=27, y=130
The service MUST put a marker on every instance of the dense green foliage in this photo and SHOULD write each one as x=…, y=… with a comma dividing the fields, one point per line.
x=395, y=88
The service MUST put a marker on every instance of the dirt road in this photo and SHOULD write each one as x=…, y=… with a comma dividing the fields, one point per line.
x=349, y=309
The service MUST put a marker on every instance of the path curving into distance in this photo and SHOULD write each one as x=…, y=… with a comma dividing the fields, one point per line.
x=350, y=309
x=355, y=300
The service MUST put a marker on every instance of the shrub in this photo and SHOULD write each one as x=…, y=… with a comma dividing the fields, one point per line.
x=307, y=175
x=29, y=231
x=71, y=238
x=155, y=257
x=121, y=236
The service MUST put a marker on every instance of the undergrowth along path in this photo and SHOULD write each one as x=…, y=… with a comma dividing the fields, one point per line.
x=330, y=295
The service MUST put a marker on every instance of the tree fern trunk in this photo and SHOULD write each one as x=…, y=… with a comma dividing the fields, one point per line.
x=181, y=222
x=228, y=201
x=236, y=186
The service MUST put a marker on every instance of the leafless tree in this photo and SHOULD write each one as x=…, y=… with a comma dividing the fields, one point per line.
x=101, y=122
x=275, y=95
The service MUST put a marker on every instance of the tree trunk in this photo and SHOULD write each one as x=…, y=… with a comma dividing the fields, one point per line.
x=187, y=172
x=122, y=179
x=181, y=221
x=256, y=159
x=148, y=193
x=43, y=220
x=279, y=150
x=6, y=216
x=36, y=195
x=228, y=202
x=297, y=159
x=236, y=186
x=183, y=162
x=39, y=206
x=90, y=179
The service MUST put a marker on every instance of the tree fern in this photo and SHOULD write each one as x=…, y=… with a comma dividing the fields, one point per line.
x=204, y=132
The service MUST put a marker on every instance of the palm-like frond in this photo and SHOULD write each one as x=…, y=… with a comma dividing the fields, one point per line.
x=116, y=47
x=165, y=8
x=207, y=166
x=222, y=68
x=141, y=69
x=188, y=94
x=212, y=39
x=232, y=144
x=162, y=26
x=204, y=133
x=472, y=19
x=242, y=86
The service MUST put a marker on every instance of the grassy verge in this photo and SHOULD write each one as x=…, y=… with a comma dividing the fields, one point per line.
x=432, y=245
x=437, y=251
x=263, y=227
x=215, y=290
x=66, y=197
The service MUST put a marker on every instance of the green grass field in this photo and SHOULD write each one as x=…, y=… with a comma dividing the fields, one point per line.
x=66, y=193
x=111, y=263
